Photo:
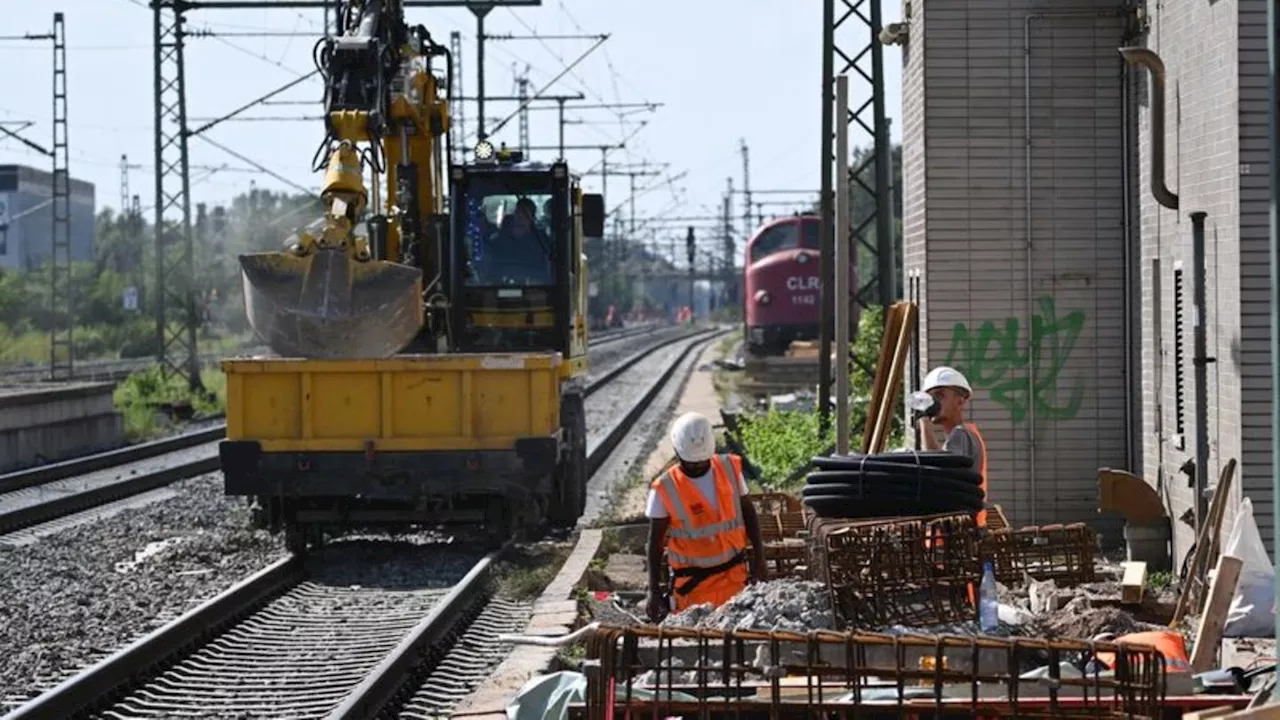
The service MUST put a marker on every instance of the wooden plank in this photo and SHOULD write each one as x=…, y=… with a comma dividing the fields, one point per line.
x=1188, y=602
x=1209, y=632
x=1266, y=712
x=1216, y=712
x=1133, y=583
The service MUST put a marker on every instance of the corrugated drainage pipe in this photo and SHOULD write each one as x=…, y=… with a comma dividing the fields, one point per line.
x=1152, y=62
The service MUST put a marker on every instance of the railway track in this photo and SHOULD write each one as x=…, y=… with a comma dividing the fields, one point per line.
x=117, y=370
x=49, y=493
x=317, y=637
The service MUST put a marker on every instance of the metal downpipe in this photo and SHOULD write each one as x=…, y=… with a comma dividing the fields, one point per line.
x=1201, y=362
x=1273, y=142
x=1152, y=62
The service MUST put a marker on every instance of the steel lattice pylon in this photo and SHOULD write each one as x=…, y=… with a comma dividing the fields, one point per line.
x=850, y=39
x=61, y=290
x=175, y=266
x=874, y=172
x=457, y=115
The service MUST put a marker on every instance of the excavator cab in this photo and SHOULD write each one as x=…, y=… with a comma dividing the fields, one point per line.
x=518, y=230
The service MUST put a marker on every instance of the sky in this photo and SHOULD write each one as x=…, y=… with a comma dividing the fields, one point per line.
x=725, y=71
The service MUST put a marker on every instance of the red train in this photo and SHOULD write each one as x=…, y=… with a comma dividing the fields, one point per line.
x=782, y=285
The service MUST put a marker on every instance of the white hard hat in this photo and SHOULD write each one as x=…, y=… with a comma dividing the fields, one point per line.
x=693, y=438
x=943, y=376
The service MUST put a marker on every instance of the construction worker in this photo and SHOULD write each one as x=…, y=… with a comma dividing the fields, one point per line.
x=951, y=391
x=699, y=515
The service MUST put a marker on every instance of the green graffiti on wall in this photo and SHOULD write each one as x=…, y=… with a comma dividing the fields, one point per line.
x=992, y=355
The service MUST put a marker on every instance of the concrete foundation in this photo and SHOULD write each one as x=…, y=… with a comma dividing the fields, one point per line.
x=48, y=422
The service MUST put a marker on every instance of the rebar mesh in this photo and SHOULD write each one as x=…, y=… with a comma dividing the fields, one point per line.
x=908, y=571
x=1062, y=553
x=663, y=672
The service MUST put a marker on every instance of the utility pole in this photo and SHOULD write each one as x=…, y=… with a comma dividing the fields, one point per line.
x=691, y=248
x=746, y=191
x=480, y=11
x=522, y=92
x=457, y=113
x=727, y=241
x=859, y=38
x=61, y=290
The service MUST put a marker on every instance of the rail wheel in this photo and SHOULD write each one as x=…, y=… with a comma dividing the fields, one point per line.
x=299, y=537
x=265, y=513
x=571, y=472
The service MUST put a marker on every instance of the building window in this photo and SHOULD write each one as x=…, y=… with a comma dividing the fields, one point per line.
x=1179, y=354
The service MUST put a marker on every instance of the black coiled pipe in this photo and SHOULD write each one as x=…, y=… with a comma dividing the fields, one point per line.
x=893, y=485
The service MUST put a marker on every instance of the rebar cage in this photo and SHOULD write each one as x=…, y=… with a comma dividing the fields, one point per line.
x=782, y=522
x=1062, y=553
x=908, y=571
x=660, y=672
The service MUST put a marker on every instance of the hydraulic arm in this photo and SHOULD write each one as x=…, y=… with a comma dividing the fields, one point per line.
x=335, y=292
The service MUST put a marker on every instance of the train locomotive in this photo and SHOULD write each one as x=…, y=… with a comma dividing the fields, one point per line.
x=782, y=285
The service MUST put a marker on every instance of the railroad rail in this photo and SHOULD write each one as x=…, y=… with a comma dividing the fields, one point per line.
x=115, y=370
x=49, y=492
x=290, y=640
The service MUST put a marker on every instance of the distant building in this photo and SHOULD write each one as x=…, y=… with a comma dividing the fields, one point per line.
x=29, y=239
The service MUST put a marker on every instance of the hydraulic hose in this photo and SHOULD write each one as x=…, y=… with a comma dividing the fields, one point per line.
x=893, y=485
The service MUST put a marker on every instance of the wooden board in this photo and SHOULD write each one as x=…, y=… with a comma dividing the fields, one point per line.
x=1209, y=632
x=1134, y=582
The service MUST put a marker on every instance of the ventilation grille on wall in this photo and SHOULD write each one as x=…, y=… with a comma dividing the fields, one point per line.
x=1179, y=353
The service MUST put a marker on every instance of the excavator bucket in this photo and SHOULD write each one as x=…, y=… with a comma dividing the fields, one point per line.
x=327, y=305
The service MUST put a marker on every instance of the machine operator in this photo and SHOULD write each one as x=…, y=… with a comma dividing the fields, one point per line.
x=700, y=516
x=951, y=392
x=518, y=250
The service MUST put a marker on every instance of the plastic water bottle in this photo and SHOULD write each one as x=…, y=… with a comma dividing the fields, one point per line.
x=988, y=603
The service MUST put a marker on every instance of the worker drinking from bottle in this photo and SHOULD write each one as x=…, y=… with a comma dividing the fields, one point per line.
x=700, y=516
x=951, y=392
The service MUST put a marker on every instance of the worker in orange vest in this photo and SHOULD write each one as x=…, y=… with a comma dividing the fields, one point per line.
x=699, y=515
x=950, y=389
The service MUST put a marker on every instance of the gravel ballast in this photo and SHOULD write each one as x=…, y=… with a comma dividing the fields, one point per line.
x=74, y=597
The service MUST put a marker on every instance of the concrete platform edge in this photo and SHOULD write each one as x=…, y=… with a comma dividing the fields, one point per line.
x=549, y=616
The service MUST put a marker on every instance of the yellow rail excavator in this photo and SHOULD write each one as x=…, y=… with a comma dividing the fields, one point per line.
x=430, y=348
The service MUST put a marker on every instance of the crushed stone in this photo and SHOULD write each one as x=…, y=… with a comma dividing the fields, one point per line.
x=774, y=605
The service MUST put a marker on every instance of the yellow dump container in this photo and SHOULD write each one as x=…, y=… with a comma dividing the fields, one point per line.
x=405, y=403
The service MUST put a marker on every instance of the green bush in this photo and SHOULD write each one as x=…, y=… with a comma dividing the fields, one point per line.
x=150, y=403
x=780, y=442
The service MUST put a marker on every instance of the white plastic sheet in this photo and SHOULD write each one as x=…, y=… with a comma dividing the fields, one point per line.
x=547, y=697
x=1252, y=612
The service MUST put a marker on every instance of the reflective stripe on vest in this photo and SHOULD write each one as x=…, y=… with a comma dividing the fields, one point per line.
x=699, y=536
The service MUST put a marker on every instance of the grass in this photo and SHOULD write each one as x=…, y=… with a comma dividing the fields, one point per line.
x=1159, y=580
x=527, y=570
x=150, y=404
x=618, y=495
x=24, y=346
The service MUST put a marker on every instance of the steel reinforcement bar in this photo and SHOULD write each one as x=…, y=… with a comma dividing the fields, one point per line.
x=24, y=513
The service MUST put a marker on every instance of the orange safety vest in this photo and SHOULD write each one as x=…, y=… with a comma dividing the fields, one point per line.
x=1169, y=642
x=705, y=544
x=982, y=470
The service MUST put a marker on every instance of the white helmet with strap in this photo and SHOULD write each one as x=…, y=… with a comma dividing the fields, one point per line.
x=693, y=437
x=943, y=376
